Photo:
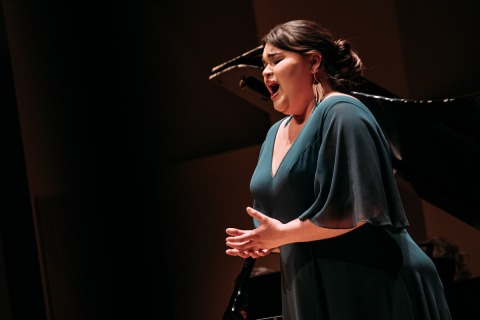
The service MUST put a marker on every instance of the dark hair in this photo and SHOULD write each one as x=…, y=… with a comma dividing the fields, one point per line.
x=342, y=65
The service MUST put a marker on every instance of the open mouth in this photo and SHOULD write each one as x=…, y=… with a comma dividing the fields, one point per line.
x=273, y=87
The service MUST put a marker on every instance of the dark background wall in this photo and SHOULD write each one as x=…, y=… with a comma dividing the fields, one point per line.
x=90, y=182
x=130, y=164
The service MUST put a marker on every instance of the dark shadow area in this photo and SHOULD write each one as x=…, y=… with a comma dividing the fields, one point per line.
x=90, y=170
x=22, y=269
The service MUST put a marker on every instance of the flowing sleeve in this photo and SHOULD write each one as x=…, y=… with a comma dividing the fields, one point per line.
x=354, y=178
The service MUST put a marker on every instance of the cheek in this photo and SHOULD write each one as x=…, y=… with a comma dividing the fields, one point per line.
x=293, y=70
x=296, y=77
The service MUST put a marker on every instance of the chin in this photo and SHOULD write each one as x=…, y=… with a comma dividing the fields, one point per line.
x=279, y=107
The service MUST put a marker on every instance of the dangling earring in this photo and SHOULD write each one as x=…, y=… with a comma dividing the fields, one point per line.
x=317, y=90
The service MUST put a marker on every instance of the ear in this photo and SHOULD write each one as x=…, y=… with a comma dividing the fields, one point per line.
x=316, y=61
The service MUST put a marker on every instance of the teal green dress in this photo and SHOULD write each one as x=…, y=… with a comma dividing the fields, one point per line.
x=337, y=173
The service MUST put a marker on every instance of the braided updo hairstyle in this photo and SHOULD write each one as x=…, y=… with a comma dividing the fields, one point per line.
x=342, y=65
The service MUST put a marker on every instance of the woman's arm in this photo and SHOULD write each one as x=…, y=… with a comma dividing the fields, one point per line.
x=271, y=233
x=304, y=231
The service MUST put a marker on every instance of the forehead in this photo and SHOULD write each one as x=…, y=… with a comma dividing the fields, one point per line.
x=270, y=51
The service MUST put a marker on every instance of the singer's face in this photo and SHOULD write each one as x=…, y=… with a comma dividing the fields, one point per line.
x=289, y=79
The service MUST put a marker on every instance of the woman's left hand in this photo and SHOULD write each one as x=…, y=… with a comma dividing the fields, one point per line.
x=248, y=253
x=268, y=235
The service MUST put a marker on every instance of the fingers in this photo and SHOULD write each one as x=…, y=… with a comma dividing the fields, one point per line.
x=240, y=246
x=239, y=253
x=264, y=252
x=255, y=214
x=257, y=253
x=248, y=245
x=254, y=254
x=242, y=238
x=235, y=232
x=232, y=252
x=245, y=254
x=248, y=253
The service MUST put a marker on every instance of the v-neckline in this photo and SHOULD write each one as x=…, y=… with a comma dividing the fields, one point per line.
x=293, y=143
x=286, y=153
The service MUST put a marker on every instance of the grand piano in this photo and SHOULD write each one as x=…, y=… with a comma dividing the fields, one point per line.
x=435, y=146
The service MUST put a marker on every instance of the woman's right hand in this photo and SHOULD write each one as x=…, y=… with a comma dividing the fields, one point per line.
x=250, y=253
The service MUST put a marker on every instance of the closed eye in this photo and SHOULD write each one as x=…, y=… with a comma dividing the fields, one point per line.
x=275, y=62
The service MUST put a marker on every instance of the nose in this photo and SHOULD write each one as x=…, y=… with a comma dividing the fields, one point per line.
x=267, y=72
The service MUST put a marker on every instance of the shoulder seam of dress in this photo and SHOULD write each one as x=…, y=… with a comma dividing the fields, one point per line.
x=355, y=103
x=324, y=115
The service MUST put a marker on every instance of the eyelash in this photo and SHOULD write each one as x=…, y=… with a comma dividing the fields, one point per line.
x=275, y=62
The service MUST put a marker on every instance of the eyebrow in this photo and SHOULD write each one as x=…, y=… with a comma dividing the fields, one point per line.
x=271, y=55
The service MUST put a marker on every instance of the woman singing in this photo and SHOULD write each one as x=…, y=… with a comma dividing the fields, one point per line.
x=325, y=194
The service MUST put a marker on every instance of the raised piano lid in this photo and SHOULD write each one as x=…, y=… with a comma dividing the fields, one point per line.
x=435, y=143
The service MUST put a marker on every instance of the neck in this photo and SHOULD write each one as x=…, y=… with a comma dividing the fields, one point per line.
x=301, y=118
x=327, y=92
